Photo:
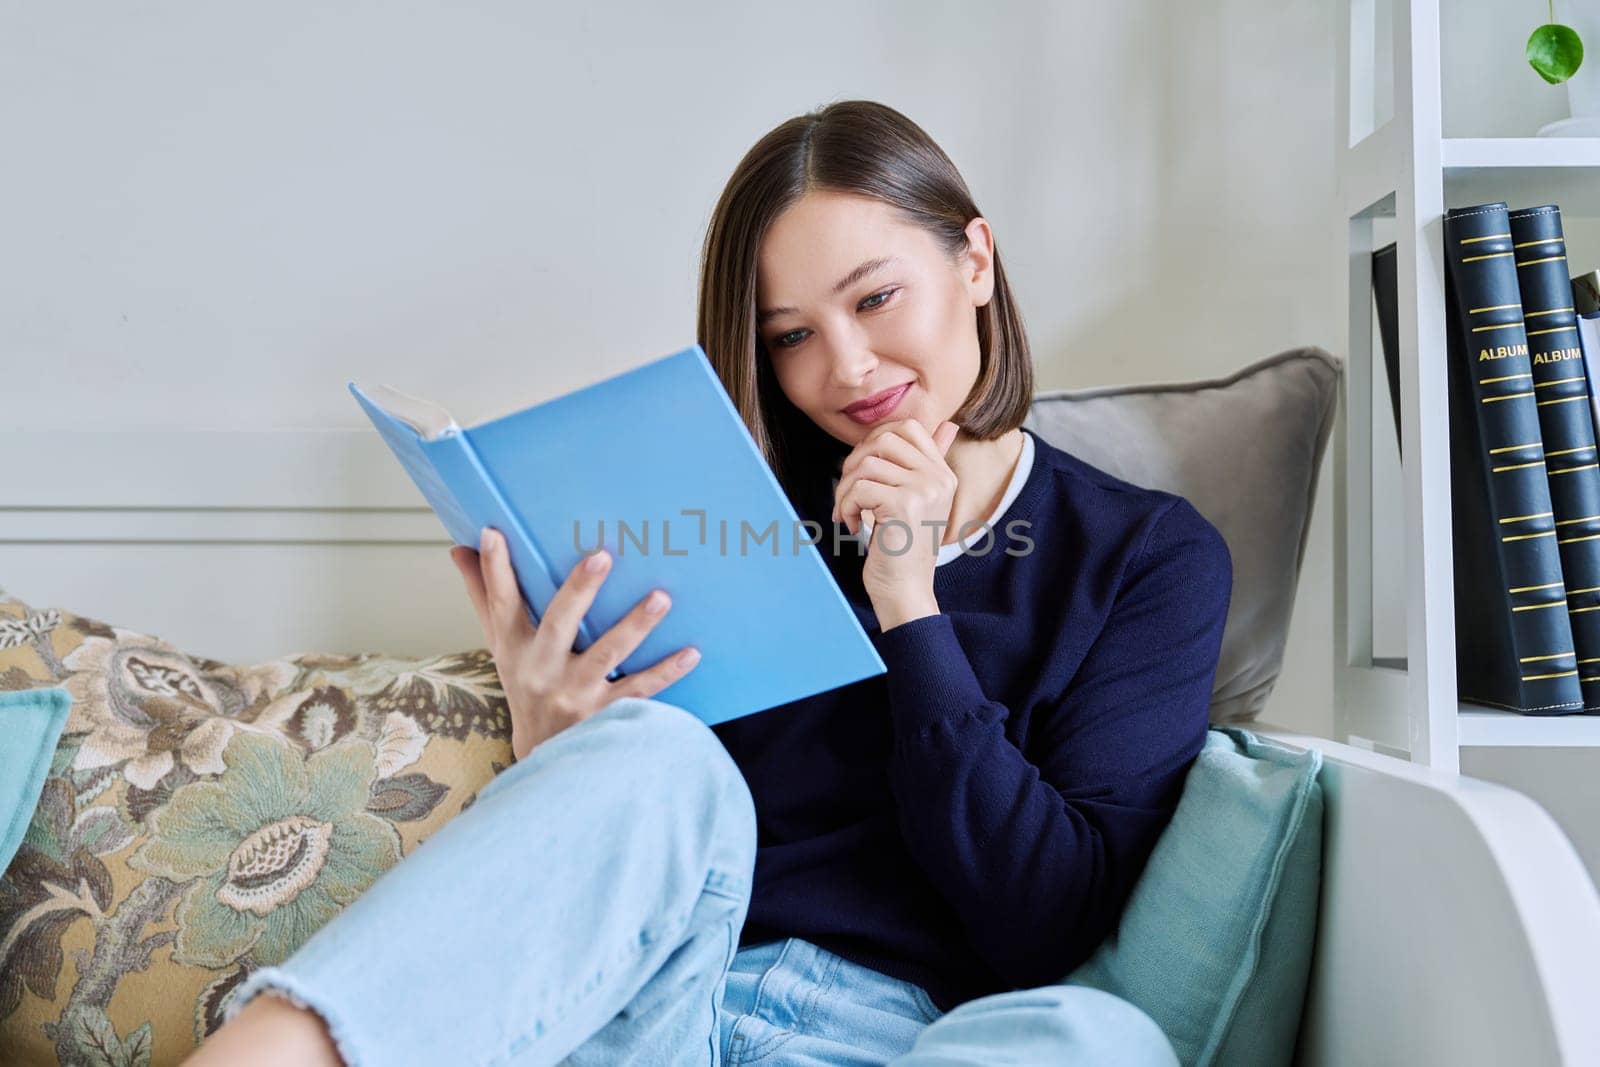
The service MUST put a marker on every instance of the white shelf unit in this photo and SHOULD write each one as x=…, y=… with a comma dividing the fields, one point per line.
x=1405, y=169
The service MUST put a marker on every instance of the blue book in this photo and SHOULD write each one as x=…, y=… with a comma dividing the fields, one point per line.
x=657, y=465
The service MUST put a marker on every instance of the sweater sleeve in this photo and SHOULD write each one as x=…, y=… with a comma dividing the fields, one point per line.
x=1038, y=852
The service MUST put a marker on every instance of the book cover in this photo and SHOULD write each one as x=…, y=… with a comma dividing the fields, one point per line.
x=1586, y=304
x=1514, y=646
x=1385, y=299
x=1561, y=393
x=1586, y=295
x=656, y=465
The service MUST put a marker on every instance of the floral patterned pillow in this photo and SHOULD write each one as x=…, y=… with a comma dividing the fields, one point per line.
x=202, y=819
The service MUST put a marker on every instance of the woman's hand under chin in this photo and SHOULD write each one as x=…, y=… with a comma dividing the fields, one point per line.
x=899, y=475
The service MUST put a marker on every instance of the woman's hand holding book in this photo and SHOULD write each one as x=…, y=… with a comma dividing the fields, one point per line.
x=549, y=687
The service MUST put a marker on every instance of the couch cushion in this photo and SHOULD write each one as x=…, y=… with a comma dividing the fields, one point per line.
x=31, y=721
x=1216, y=940
x=1245, y=450
x=136, y=903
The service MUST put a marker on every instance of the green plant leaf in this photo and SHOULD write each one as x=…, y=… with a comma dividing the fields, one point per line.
x=1555, y=52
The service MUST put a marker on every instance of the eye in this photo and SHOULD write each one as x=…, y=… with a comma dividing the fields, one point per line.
x=885, y=294
x=882, y=297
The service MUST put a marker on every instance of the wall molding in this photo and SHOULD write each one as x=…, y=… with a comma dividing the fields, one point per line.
x=151, y=469
x=208, y=486
x=232, y=544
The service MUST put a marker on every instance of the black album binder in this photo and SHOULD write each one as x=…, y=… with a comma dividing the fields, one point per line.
x=1514, y=646
x=1561, y=389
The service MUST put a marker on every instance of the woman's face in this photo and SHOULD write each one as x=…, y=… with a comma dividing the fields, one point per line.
x=911, y=320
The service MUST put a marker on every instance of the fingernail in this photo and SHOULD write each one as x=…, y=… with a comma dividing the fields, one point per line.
x=597, y=562
x=483, y=539
x=656, y=602
x=689, y=657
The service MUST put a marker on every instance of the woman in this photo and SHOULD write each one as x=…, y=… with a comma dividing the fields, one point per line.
x=888, y=871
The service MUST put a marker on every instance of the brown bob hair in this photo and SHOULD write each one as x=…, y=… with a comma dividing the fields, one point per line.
x=868, y=149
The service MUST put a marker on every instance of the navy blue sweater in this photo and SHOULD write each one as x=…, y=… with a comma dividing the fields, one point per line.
x=974, y=820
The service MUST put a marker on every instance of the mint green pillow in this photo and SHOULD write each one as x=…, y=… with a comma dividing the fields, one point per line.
x=31, y=721
x=1216, y=939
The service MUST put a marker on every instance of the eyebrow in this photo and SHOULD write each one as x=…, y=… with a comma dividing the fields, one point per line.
x=840, y=286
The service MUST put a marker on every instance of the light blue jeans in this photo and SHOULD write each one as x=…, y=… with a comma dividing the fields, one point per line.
x=585, y=911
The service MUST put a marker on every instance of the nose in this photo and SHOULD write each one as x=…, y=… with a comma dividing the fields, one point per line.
x=852, y=364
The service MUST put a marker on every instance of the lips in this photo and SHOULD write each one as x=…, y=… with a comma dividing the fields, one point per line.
x=875, y=399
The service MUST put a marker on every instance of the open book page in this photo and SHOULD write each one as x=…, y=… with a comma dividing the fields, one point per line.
x=424, y=416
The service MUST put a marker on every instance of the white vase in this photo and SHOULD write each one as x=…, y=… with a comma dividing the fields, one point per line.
x=1583, y=88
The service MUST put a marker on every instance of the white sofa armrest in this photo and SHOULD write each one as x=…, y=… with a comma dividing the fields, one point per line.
x=1458, y=925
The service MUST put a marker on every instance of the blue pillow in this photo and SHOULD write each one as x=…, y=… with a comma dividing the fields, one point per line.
x=31, y=720
x=1215, y=942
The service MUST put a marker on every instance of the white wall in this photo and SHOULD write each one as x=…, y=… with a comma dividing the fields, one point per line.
x=1562, y=780
x=217, y=216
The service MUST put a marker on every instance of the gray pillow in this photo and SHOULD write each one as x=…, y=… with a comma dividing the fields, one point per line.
x=1245, y=450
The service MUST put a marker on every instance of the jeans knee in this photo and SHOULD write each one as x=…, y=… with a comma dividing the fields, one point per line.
x=676, y=754
x=1075, y=1024
x=1107, y=1026
x=672, y=733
